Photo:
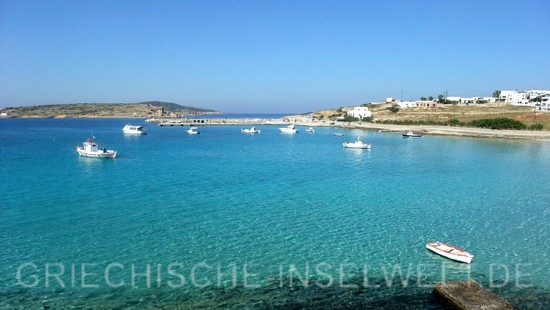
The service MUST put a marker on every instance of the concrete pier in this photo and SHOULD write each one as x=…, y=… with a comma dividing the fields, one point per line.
x=215, y=121
x=469, y=295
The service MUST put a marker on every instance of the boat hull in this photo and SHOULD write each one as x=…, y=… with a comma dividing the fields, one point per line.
x=288, y=130
x=134, y=130
x=412, y=134
x=193, y=131
x=250, y=131
x=131, y=132
x=450, y=252
x=107, y=154
x=356, y=145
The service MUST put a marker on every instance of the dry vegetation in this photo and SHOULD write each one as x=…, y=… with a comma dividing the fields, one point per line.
x=462, y=112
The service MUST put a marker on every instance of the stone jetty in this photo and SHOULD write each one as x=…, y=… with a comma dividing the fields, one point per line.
x=469, y=295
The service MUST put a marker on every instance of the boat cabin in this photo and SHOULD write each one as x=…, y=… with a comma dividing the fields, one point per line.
x=90, y=146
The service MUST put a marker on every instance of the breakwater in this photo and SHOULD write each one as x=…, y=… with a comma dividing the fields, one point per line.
x=214, y=121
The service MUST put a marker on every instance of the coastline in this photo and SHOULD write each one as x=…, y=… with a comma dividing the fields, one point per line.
x=424, y=129
x=457, y=131
x=431, y=129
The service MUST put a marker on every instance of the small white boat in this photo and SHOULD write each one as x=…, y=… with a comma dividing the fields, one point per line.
x=449, y=251
x=289, y=129
x=251, y=130
x=90, y=148
x=411, y=134
x=338, y=134
x=310, y=129
x=134, y=130
x=193, y=131
x=357, y=144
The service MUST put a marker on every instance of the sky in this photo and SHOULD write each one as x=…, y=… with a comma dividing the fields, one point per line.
x=268, y=56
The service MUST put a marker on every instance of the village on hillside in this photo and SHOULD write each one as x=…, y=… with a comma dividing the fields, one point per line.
x=534, y=98
x=527, y=107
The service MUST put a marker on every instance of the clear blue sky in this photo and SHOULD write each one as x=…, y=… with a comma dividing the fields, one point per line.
x=268, y=55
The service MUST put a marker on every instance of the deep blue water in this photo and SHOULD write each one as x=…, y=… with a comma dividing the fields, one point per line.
x=224, y=209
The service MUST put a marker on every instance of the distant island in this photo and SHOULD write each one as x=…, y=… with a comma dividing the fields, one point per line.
x=101, y=110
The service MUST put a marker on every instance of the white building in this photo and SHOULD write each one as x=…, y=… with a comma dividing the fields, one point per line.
x=457, y=99
x=469, y=100
x=514, y=97
x=533, y=94
x=360, y=112
x=545, y=103
x=407, y=104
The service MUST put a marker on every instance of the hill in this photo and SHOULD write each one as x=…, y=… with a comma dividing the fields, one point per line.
x=91, y=110
x=443, y=114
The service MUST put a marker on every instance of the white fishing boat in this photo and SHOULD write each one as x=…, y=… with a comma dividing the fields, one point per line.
x=289, y=129
x=134, y=130
x=338, y=134
x=193, y=131
x=449, y=251
x=251, y=130
x=90, y=148
x=410, y=134
x=310, y=129
x=358, y=144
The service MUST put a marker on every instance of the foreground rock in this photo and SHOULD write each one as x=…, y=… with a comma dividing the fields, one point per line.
x=469, y=295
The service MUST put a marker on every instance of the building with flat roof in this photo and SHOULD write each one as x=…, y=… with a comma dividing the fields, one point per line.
x=360, y=112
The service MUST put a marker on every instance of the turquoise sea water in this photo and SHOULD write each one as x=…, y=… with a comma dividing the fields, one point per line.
x=224, y=219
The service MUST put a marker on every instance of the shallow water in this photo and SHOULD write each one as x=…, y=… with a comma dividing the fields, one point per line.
x=236, y=216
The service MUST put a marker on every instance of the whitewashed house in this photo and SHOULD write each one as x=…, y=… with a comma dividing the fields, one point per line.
x=514, y=97
x=489, y=99
x=471, y=100
x=455, y=98
x=505, y=95
x=360, y=112
x=407, y=104
x=545, y=103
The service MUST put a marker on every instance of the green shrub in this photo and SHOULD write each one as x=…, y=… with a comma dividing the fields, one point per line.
x=455, y=122
x=368, y=119
x=536, y=127
x=394, y=108
x=349, y=118
x=498, y=123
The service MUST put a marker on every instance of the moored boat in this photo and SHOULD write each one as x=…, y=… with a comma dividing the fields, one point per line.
x=134, y=130
x=310, y=129
x=411, y=134
x=358, y=144
x=90, y=148
x=449, y=251
x=193, y=131
x=289, y=129
x=251, y=130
